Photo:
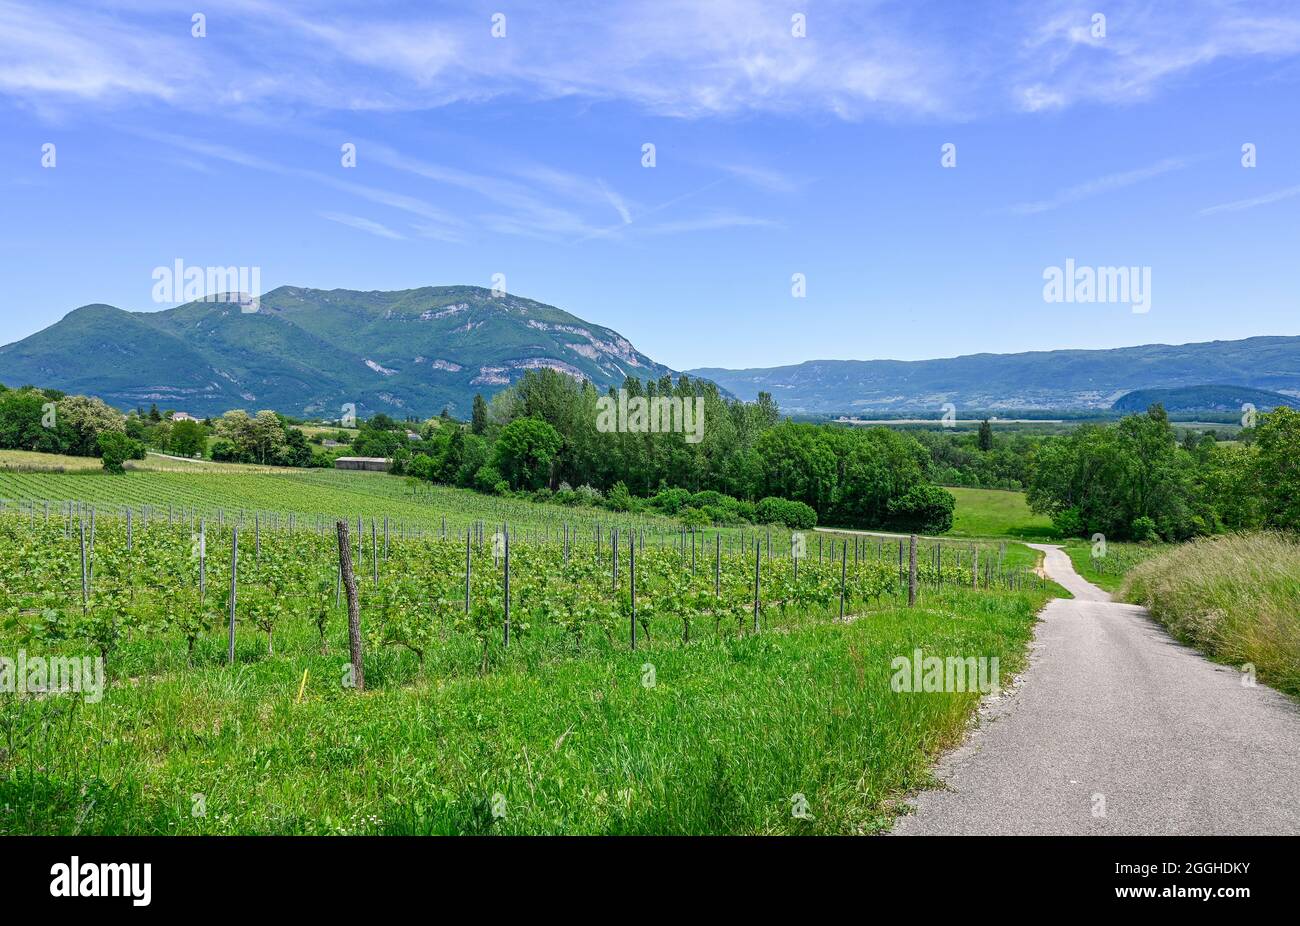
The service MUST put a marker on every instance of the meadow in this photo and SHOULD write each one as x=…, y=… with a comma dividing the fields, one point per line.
x=697, y=706
x=997, y=513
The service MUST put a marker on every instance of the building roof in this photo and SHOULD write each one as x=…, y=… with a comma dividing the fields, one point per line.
x=362, y=460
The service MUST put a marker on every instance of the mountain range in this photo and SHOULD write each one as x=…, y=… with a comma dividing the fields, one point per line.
x=1057, y=379
x=309, y=352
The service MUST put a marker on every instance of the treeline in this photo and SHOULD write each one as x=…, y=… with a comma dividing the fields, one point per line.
x=1136, y=481
x=980, y=459
x=50, y=421
x=542, y=436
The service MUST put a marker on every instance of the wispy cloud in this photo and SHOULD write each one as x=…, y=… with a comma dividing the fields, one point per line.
x=766, y=179
x=432, y=217
x=677, y=58
x=710, y=222
x=617, y=202
x=1263, y=200
x=1097, y=187
x=362, y=224
x=1062, y=61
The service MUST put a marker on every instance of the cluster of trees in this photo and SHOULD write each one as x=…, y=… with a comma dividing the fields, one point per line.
x=50, y=421
x=267, y=438
x=1136, y=481
x=542, y=435
x=157, y=429
x=980, y=459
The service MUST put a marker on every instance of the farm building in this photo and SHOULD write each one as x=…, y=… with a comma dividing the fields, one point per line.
x=183, y=416
x=373, y=464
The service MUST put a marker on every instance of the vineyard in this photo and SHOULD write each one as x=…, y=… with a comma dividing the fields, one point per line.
x=213, y=615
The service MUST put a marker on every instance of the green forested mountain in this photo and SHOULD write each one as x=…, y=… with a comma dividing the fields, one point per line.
x=310, y=351
x=1216, y=398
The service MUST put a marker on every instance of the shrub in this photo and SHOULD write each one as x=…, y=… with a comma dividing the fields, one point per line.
x=923, y=509
x=1144, y=530
x=670, y=501
x=588, y=495
x=116, y=448
x=792, y=514
x=619, y=498
x=423, y=467
x=487, y=477
x=694, y=517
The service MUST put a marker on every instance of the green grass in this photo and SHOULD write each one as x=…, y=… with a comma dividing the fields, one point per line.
x=1236, y=598
x=1108, y=572
x=997, y=513
x=734, y=726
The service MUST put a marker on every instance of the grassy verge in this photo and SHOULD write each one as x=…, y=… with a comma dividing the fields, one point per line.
x=733, y=727
x=1236, y=598
x=1108, y=572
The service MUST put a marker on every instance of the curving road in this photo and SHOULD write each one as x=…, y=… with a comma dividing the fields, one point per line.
x=1115, y=728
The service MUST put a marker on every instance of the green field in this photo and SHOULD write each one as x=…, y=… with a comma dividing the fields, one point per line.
x=456, y=732
x=997, y=513
x=708, y=726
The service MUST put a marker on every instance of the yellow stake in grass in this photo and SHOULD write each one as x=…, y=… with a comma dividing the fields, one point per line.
x=301, y=687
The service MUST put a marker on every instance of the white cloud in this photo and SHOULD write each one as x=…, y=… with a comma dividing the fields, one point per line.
x=709, y=222
x=1263, y=200
x=1097, y=187
x=669, y=57
x=363, y=224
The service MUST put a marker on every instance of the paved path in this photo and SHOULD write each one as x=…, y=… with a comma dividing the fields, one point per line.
x=1111, y=707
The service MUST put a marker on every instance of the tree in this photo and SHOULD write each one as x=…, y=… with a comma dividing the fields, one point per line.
x=374, y=442
x=986, y=436
x=524, y=452
x=1277, y=467
x=923, y=509
x=268, y=437
x=1103, y=479
x=188, y=438
x=26, y=423
x=116, y=448
x=479, y=418
x=88, y=417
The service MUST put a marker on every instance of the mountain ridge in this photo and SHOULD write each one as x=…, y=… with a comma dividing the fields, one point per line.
x=310, y=352
x=1066, y=378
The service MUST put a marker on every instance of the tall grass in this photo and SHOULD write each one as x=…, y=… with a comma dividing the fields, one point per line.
x=1236, y=598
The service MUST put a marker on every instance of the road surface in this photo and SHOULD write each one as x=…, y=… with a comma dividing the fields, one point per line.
x=1115, y=728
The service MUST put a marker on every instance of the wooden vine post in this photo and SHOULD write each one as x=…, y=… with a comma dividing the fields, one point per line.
x=505, y=536
x=911, y=571
x=234, y=592
x=844, y=569
x=354, y=609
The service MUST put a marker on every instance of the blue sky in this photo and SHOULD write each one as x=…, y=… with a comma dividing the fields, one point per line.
x=775, y=155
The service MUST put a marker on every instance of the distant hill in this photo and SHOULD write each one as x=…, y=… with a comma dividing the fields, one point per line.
x=309, y=351
x=1060, y=379
x=1204, y=399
